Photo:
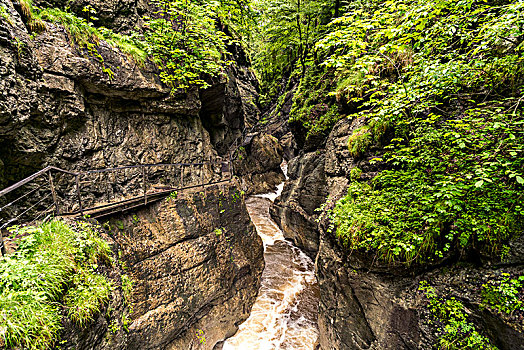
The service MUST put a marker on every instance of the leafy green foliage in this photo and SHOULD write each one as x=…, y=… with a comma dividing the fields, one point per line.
x=284, y=38
x=312, y=105
x=182, y=39
x=85, y=298
x=355, y=173
x=84, y=34
x=27, y=318
x=446, y=78
x=172, y=196
x=504, y=295
x=456, y=332
x=31, y=17
x=80, y=30
x=200, y=336
x=127, y=288
x=240, y=19
x=5, y=15
x=34, y=279
x=360, y=141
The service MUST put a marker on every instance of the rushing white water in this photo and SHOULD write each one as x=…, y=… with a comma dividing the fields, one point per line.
x=284, y=315
x=273, y=195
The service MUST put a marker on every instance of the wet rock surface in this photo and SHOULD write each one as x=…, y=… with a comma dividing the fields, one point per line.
x=201, y=270
x=230, y=105
x=315, y=178
x=379, y=307
x=364, y=304
x=284, y=315
x=305, y=191
x=257, y=163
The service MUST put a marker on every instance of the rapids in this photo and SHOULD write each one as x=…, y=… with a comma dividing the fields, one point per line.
x=284, y=315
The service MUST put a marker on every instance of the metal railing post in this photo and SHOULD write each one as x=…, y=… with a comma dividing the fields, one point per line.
x=77, y=181
x=182, y=176
x=106, y=178
x=144, y=180
x=2, y=245
x=53, y=192
x=226, y=166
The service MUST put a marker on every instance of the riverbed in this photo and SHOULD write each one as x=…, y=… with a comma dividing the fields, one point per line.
x=284, y=315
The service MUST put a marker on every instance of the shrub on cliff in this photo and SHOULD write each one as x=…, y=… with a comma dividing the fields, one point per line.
x=53, y=269
x=183, y=38
x=447, y=79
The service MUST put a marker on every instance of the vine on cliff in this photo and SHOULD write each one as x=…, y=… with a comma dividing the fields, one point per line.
x=456, y=331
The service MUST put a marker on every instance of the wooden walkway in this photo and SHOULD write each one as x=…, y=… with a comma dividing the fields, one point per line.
x=100, y=192
x=53, y=192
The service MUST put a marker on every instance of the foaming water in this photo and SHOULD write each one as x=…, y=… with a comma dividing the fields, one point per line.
x=273, y=195
x=284, y=315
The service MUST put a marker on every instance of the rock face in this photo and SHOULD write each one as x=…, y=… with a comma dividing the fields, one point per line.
x=305, y=191
x=60, y=106
x=366, y=306
x=363, y=304
x=196, y=263
x=121, y=16
x=316, y=178
x=258, y=164
x=230, y=105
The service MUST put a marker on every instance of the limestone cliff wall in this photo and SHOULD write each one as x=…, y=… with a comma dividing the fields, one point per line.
x=364, y=304
x=59, y=107
x=258, y=164
x=196, y=263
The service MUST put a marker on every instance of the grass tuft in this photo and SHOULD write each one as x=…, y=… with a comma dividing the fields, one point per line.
x=360, y=141
x=31, y=17
x=50, y=259
x=85, y=299
x=80, y=31
x=85, y=35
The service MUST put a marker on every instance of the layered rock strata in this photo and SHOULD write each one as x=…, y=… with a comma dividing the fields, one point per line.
x=257, y=163
x=60, y=105
x=196, y=263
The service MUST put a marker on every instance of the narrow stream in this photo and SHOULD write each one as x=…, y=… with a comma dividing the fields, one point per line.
x=284, y=315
